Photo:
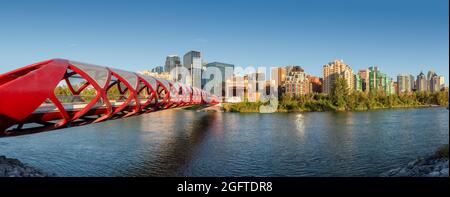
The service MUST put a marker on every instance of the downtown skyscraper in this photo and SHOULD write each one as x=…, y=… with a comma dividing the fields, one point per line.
x=172, y=62
x=192, y=61
x=405, y=83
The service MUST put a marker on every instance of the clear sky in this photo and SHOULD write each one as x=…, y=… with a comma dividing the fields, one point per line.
x=398, y=36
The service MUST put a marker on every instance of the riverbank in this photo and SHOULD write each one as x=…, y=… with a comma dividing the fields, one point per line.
x=14, y=168
x=432, y=166
x=247, y=107
x=356, y=101
x=202, y=108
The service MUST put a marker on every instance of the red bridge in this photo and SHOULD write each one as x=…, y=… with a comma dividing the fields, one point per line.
x=61, y=93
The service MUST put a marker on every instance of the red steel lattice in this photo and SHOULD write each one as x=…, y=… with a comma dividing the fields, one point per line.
x=28, y=103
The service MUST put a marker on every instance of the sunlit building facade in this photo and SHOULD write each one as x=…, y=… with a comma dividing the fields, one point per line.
x=421, y=82
x=380, y=82
x=405, y=83
x=441, y=82
x=256, y=86
x=297, y=83
x=278, y=77
x=332, y=71
x=237, y=86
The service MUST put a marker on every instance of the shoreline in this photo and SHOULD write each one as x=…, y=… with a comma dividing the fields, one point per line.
x=427, y=167
x=362, y=110
x=10, y=167
x=356, y=101
x=435, y=165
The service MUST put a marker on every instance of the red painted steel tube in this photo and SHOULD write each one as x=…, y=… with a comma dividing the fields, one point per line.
x=25, y=94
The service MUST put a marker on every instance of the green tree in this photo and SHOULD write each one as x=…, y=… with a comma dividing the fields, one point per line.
x=442, y=98
x=339, y=92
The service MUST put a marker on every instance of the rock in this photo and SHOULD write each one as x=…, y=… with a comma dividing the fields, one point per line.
x=412, y=164
x=15, y=168
x=394, y=172
x=402, y=172
x=444, y=164
x=433, y=174
x=427, y=167
x=444, y=172
x=2, y=172
x=390, y=173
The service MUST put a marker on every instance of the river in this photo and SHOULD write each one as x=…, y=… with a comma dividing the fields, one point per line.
x=188, y=143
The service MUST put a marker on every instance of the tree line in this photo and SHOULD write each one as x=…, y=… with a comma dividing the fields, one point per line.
x=341, y=99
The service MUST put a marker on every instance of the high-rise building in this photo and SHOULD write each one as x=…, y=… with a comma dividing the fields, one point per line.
x=405, y=83
x=412, y=82
x=192, y=61
x=375, y=80
x=358, y=83
x=226, y=72
x=288, y=68
x=391, y=88
x=379, y=81
x=421, y=82
x=158, y=69
x=336, y=69
x=296, y=82
x=441, y=82
x=278, y=77
x=256, y=85
x=172, y=62
x=430, y=74
x=434, y=83
x=238, y=87
x=396, y=87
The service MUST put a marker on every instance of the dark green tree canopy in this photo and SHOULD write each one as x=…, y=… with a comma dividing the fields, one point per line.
x=339, y=92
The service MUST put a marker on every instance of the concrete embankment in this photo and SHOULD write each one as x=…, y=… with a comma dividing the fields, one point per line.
x=14, y=168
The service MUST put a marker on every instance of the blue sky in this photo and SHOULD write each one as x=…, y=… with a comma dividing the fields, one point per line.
x=398, y=36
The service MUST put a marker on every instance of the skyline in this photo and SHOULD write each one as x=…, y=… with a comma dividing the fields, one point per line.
x=399, y=37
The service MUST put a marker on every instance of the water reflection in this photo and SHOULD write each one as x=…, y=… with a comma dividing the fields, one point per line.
x=188, y=143
x=300, y=124
x=177, y=151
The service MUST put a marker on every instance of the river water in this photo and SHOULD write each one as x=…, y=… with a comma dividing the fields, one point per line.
x=188, y=143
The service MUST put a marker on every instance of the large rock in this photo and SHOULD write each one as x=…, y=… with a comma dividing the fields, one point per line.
x=428, y=167
x=14, y=168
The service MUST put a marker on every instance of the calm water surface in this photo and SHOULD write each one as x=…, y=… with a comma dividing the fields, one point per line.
x=189, y=143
